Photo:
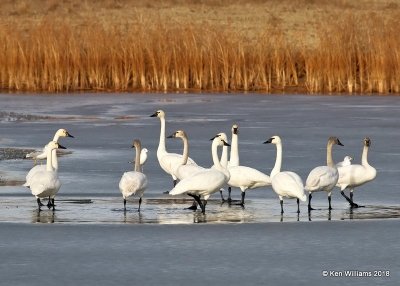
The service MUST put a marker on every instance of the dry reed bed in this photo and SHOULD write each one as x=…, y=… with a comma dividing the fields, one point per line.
x=352, y=55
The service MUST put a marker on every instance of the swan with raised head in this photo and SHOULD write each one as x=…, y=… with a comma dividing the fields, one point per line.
x=346, y=162
x=324, y=178
x=206, y=182
x=41, y=155
x=45, y=183
x=224, y=159
x=353, y=176
x=134, y=182
x=244, y=177
x=234, y=154
x=168, y=161
x=285, y=184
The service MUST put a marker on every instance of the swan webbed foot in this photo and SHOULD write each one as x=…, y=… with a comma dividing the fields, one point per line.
x=192, y=207
x=166, y=192
x=310, y=208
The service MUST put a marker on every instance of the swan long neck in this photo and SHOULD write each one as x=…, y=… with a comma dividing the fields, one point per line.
x=278, y=161
x=161, y=144
x=185, y=150
x=234, y=157
x=364, y=156
x=214, y=152
x=329, y=160
x=138, y=149
x=49, y=166
x=56, y=137
x=224, y=156
x=54, y=159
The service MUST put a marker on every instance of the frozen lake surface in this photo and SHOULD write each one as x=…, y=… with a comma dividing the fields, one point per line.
x=89, y=204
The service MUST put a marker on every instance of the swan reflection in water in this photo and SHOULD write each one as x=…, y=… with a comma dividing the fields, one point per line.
x=43, y=216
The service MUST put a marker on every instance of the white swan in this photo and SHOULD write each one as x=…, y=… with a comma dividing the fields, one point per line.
x=224, y=159
x=324, y=178
x=168, y=161
x=244, y=177
x=42, y=155
x=346, y=162
x=353, y=176
x=134, y=182
x=45, y=183
x=184, y=170
x=285, y=184
x=234, y=155
x=206, y=182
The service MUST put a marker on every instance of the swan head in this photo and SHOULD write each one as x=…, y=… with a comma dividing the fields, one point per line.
x=235, y=129
x=223, y=136
x=348, y=159
x=159, y=113
x=219, y=141
x=136, y=144
x=55, y=145
x=178, y=134
x=63, y=133
x=334, y=141
x=367, y=141
x=274, y=140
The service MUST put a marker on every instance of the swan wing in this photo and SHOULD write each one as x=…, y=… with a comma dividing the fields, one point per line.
x=202, y=183
x=33, y=171
x=321, y=177
x=170, y=161
x=242, y=176
x=45, y=183
x=132, y=183
x=355, y=175
x=289, y=184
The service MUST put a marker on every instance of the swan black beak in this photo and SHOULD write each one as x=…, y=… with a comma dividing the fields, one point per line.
x=69, y=135
x=154, y=114
x=171, y=136
x=268, y=141
x=213, y=137
x=61, y=146
x=226, y=144
x=339, y=143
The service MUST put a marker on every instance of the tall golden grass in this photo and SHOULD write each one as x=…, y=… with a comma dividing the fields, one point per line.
x=353, y=54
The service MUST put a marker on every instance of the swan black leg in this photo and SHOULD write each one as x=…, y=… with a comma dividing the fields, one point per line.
x=124, y=204
x=49, y=203
x=229, y=194
x=309, y=202
x=298, y=206
x=175, y=181
x=352, y=204
x=222, y=196
x=281, y=206
x=242, y=200
x=202, y=206
x=39, y=203
x=140, y=202
x=351, y=196
x=329, y=201
x=53, y=204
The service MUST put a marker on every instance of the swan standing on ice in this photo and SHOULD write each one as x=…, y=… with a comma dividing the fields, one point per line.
x=285, y=184
x=168, y=161
x=134, y=182
x=241, y=176
x=42, y=155
x=234, y=155
x=324, y=178
x=206, y=182
x=353, y=176
x=45, y=183
x=346, y=162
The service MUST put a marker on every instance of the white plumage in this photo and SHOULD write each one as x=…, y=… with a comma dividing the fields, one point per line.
x=324, y=178
x=285, y=184
x=353, y=176
x=346, y=162
x=168, y=161
x=45, y=183
x=206, y=182
x=134, y=182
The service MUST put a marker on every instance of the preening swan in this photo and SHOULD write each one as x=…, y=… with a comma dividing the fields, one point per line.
x=134, y=182
x=168, y=161
x=285, y=184
x=206, y=182
x=324, y=178
x=244, y=177
x=353, y=176
x=42, y=155
x=45, y=183
x=346, y=162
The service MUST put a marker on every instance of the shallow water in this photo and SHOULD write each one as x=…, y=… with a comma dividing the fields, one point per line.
x=105, y=125
x=90, y=240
